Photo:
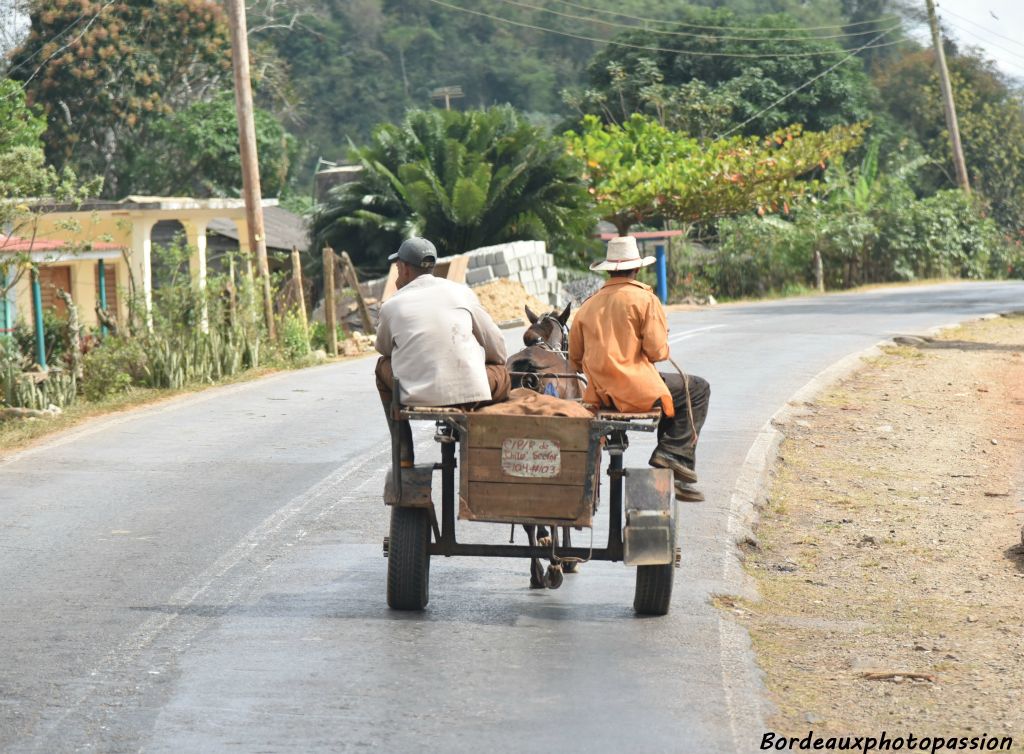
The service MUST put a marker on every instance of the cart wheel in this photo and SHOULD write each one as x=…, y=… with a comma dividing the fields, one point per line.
x=653, y=589
x=408, y=560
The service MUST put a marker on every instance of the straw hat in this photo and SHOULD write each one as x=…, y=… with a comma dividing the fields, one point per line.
x=622, y=254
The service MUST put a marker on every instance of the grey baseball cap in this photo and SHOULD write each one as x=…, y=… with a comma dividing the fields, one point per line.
x=417, y=252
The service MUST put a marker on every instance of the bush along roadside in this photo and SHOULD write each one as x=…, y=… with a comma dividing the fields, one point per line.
x=868, y=226
x=193, y=338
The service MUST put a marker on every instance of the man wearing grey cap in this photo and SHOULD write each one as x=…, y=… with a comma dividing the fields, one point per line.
x=437, y=341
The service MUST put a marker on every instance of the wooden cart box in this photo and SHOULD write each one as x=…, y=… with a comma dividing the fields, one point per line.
x=529, y=469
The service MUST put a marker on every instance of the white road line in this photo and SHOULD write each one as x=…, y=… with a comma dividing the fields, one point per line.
x=327, y=494
x=692, y=333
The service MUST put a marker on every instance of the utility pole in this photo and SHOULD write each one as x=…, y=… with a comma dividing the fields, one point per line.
x=247, y=147
x=947, y=99
x=447, y=93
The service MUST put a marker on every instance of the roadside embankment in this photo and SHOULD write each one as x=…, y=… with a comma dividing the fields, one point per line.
x=888, y=558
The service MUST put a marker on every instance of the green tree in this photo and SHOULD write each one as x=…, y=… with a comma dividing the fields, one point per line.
x=23, y=174
x=991, y=115
x=20, y=126
x=727, y=77
x=103, y=72
x=462, y=179
x=195, y=152
x=641, y=170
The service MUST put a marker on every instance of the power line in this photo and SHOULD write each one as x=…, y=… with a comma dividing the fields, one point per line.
x=589, y=9
x=651, y=48
x=59, y=50
x=988, y=42
x=800, y=88
x=39, y=51
x=983, y=28
x=699, y=34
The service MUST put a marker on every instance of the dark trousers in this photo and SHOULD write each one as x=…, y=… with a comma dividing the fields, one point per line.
x=676, y=436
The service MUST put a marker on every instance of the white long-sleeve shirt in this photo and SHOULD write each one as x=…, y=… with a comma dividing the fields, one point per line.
x=439, y=338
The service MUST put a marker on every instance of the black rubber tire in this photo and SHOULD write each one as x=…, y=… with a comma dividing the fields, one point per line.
x=408, y=561
x=653, y=589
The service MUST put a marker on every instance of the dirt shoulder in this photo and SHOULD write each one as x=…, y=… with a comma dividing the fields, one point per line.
x=889, y=557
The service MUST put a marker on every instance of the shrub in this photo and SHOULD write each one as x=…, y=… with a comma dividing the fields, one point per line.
x=21, y=389
x=113, y=368
x=754, y=257
x=56, y=339
x=11, y=355
x=292, y=336
x=34, y=390
x=892, y=238
x=944, y=235
x=318, y=335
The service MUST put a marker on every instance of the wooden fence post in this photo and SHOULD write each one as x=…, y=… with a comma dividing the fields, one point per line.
x=330, y=312
x=300, y=292
x=353, y=282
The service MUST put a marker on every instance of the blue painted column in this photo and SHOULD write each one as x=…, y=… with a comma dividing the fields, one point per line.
x=6, y=322
x=37, y=306
x=103, y=292
x=659, y=266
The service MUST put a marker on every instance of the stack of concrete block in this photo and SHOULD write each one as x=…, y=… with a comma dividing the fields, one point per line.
x=524, y=261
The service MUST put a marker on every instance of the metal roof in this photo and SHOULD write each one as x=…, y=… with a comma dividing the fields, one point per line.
x=283, y=229
x=17, y=244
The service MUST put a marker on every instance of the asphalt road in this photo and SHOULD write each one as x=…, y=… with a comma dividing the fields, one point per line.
x=206, y=575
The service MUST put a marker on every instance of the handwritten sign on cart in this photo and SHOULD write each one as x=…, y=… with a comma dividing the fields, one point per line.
x=525, y=457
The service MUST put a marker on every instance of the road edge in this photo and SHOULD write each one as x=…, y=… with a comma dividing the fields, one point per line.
x=159, y=405
x=742, y=681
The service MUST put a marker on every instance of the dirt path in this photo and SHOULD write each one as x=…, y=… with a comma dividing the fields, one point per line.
x=891, y=544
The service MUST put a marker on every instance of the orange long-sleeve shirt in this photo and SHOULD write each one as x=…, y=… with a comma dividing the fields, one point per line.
x=617, y=337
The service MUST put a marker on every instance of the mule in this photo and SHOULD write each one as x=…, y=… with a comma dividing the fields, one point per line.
x=543, y=366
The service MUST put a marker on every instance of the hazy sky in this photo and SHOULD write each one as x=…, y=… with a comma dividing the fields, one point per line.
x=996, y=26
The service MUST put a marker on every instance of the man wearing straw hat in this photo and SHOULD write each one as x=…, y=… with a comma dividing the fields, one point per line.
x=618, y=336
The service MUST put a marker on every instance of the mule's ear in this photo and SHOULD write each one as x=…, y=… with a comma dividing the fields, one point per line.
x=564, y=316
x=531, y=316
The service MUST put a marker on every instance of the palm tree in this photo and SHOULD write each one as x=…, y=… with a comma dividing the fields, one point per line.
x=463, y=180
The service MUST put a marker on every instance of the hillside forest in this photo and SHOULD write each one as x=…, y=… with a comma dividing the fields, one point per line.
x=772, y=132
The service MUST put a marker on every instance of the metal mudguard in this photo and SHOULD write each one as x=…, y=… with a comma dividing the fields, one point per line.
x=651, y=514
x=416, y=484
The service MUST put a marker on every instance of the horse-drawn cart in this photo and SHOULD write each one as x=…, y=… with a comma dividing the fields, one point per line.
x=535, y=471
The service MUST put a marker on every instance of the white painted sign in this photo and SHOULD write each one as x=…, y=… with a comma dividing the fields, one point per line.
x=524, y=457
